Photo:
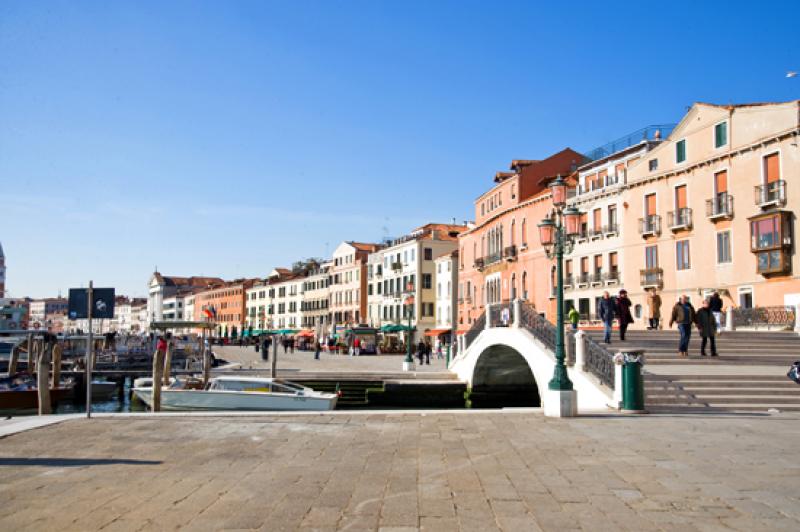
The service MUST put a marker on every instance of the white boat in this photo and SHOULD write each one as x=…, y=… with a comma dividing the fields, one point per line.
x=240, y=393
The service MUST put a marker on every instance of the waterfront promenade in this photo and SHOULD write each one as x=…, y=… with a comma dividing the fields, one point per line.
x=467, y=470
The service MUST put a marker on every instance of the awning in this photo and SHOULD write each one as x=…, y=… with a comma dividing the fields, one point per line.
x=436, y=332
x=306, y=333
x=391, y=328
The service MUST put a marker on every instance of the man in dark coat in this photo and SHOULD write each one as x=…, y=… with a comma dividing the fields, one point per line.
x=707, y=327
x=624, y=313
x=683, y=314
x=715, y=306
x=606, y=310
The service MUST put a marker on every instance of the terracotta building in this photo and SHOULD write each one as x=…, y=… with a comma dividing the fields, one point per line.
x=500, y=258
x=228, y=304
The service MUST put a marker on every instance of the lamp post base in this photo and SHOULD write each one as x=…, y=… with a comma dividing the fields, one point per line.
x=560, y=403
x=408, y=366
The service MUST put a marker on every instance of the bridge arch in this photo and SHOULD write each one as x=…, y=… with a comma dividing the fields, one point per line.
x=503, y=377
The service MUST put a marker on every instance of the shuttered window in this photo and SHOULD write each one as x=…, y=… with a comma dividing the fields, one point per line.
x=680, y=151
x=651, y=257
x=584, y=264
x=680, y=197
x=772, y=169
x=721, y=182
x=598, y=263
x=682, y=255
x=612, y=260
x=720, y=135
x=650, y=204
x=597, y=219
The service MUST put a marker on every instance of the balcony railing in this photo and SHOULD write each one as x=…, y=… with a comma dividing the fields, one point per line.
x=479, y=263
x=720, y=206
x=650, y=225
x=612, y=179
x=612, y=277
x=596, y=232
x=510, y=253
x=596, y=278
x=583, y=279
x=397, y=266
x=771, y=194
x=652, y=278
x=568, y=281
x=491, y=258
x=680, y=219
x=611, y=229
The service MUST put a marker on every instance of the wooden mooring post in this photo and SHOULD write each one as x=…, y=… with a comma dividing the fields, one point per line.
x=158, y=371
x=43, y=378
x=168, y=362
x=13, y=360
x=57, y=352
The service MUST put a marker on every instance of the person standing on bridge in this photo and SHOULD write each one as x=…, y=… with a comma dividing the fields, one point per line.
x=683, y=314
x=623, y=305
x=606, y=310
x=654, y=309
x=707, y=327
x=574, y=317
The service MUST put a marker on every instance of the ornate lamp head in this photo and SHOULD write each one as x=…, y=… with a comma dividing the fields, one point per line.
x=558, y=188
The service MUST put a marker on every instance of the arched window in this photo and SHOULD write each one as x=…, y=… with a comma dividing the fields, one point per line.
x=523, y=237
x=513, y=286
x=525, y=285
x=513, y=227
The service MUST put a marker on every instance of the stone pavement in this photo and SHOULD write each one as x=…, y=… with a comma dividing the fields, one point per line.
x=470, y=470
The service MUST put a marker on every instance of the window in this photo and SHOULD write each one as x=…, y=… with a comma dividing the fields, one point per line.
x=682, y=255
x=428, y=253
x=771, y=241
x=524, y=236
x=612, y=217
x=772, y=168
x=746, y=297
x=720, y=135
x=680, y=151
x=651, y=257
x=652, y=164
x=724, y=247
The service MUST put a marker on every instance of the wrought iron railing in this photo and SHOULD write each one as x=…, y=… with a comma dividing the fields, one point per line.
x=537, y=325
x=477, y=328
x=611, y=229
x=491, y=258
x=650, y=225
x=655, y=132
x=764, y=316
x=680, y=218
x=770, y=193
x=510, y=252
x=652, y=277
x=501, y=314
x=719, y=206
x=599, y=362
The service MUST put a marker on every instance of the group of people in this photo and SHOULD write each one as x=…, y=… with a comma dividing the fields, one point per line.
x=708, y=320
x=609, y=309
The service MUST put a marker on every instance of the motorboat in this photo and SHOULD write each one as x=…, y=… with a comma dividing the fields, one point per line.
x=239, y=393
x=19, y=392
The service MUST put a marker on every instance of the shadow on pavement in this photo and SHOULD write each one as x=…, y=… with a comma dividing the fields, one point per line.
x=73, y=462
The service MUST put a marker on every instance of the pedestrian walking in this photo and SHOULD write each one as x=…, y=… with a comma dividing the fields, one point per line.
x=606, y=311
x=265, y=345
x=683, y=314
x=574, y=317
x=428, y=353
x=439, y=353
x=357, y=346
x=707, y=327
x=421, y=351
x=291, y=344
x=715, y=305
x=623, y=307
x=654, y=309
x=317, y=348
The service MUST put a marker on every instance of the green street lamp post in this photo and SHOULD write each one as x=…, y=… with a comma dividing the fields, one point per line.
x=408, y=363
x=557, y=233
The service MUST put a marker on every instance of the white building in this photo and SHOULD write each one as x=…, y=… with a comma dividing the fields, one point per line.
x=161, y=288
x=315, y=292
x=409, y=269
x=374, y=288
x=446, y=281
x=594, y=264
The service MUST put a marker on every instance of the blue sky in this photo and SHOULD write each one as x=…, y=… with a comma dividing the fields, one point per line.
x=226, y=138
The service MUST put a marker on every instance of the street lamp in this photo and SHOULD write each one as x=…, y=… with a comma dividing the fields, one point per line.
x=557, y=233
x=408, y=302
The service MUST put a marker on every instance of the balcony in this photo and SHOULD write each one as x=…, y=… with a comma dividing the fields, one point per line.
x=720, y=207
x=612, y=179
x=478, y=263
x=568, y=281
x=397, y=266
x=680, y=219
x=650, y=225
x=595, y=234
x=596, y=278
x=583, y=280
x=612, y=277
x=611, y=229
x=652, y=278
x=510, y=253
x=771, y=194
x=492, y=258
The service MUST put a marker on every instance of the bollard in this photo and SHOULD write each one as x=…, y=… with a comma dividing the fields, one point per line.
x=632, y=382
x=729, y=326
x=580, y=350
x=12, y=362
x=488, y=313
x=57, y=352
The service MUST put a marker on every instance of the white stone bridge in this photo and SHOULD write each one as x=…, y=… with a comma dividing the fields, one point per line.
x=508, y=355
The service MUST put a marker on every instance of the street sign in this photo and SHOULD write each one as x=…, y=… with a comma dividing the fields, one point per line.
x=102, y=303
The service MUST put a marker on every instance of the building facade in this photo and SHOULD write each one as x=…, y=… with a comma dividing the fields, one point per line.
x=500, y=257
x=227, y=304
x=43, y=312
x=712, y=209
x=348, y=288
x=446, y=266
x=161, y=287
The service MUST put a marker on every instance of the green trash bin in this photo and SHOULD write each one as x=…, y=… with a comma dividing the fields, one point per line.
x=632, y=382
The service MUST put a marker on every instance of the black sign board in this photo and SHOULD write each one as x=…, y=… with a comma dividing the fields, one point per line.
x=102, y=305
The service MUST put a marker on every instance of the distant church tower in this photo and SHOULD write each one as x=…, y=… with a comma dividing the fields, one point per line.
x=2, y=272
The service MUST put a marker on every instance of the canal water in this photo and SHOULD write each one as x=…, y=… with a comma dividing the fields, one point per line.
x=126, y=403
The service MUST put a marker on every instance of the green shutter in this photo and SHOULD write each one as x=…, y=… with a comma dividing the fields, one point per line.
x=721, y=134
x=680, y=155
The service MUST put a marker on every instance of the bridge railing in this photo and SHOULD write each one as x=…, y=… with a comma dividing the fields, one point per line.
x=501, y=314
x=545, y=332
x=477, y=328
x=599, y=361
x=778, y=316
